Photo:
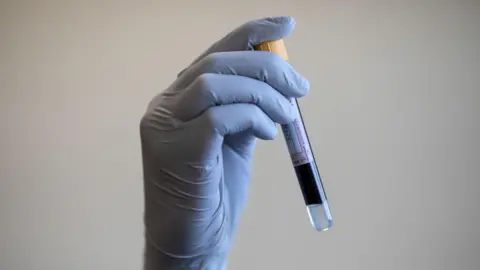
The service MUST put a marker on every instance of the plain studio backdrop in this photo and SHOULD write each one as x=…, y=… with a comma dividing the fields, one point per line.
x=393, y=116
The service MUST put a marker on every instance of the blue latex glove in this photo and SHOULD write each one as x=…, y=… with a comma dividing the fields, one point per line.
x=197, y=142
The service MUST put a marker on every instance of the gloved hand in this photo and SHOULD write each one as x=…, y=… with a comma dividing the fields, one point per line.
x=197, y=140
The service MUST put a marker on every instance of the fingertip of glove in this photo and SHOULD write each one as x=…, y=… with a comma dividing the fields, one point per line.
x=269, y=28
x=270, y=135
x=304, y=86
x=282, y=20
x=300, y=86
x=285, y=24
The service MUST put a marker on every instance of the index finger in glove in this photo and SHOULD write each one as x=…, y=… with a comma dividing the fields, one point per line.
x=209, y=90
x=263, y=66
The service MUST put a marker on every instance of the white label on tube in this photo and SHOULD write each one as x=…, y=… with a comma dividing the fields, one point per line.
x=296, y=138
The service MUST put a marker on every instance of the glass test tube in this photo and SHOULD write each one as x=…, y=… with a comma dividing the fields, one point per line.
x=302, y=157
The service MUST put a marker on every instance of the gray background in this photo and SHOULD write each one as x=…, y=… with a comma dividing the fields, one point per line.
x=392, y=115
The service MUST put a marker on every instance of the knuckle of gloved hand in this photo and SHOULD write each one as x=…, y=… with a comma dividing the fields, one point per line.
x=257, y=115
x=211, y=61
x=204, y=85
x=144, y=125
x=211, y=118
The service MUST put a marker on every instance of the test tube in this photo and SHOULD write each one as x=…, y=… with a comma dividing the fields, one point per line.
x=302, y=156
